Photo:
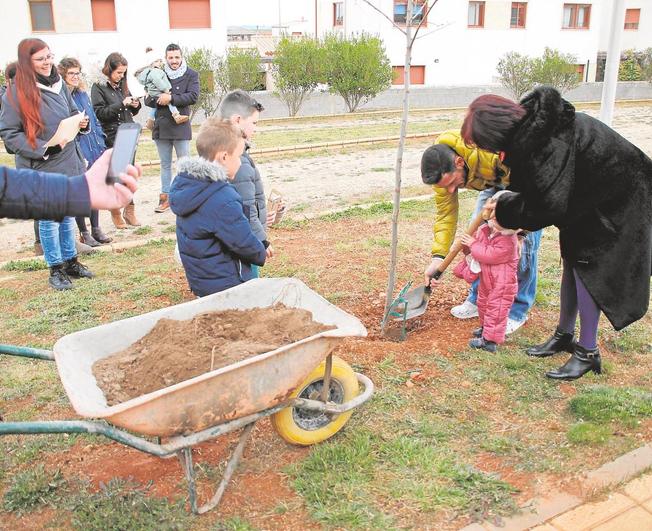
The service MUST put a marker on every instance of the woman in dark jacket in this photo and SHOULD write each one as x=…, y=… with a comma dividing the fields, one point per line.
x=34, y=105
x=92, y=143
x=114, y=105
x=572, y=171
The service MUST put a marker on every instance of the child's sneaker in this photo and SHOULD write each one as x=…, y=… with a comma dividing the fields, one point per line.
x=466, y=310
x=482, y=343
x=477, y=332
x=150, y=124
x=180, y=118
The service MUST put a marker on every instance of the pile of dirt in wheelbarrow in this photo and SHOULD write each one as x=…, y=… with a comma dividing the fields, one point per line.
x=174, y=351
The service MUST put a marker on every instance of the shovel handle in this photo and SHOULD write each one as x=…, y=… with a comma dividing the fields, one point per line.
x=457, y=246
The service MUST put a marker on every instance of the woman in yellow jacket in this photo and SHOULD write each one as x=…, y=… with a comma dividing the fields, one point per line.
x=449, y=165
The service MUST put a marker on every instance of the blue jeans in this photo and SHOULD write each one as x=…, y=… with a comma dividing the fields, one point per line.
x=527, y=268
x=164, y=147
x=58, y=240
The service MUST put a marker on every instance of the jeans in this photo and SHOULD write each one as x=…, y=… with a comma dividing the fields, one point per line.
x=164, y=147
x=58, y=240
x=527, y=268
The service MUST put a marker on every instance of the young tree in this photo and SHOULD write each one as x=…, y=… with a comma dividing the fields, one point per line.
x=240, y=69
x=297, y=71
x=356, y=68
x=555, y=69
x=205, y=61
x=629, y=69
x=645, y=62
x=515, y=72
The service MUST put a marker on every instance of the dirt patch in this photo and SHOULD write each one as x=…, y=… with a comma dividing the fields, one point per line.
x=175, y=351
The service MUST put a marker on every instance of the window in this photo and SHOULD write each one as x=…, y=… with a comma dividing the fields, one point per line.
x=476, y=14
x=518, y=15
x=338, y=13
x=103, y=12
x=41, y=13
x=186, y=14
x=632, y=16
x=400, y=11
x=580, y=72
x=417, y=75
x=577, y=16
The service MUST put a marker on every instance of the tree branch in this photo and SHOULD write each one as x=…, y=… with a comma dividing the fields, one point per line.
x=384, y=15
x=423, y=19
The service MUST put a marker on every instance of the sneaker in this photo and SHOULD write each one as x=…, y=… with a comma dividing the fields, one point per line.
x=513, y=325
x=149, y=124
x=482, y=343
x=82, y=248
x=163, y=203
x=180, y=118
x=59, y=280
x=75, y=269
x=466, y=310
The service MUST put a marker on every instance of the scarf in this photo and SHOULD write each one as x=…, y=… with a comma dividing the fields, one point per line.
x=50, y=80
x=175, y=74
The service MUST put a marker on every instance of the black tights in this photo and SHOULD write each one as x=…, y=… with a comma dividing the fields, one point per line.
x=95, y=221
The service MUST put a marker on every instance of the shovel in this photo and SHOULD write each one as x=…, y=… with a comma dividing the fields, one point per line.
x=417, y=298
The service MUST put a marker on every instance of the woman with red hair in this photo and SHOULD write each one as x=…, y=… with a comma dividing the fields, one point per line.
x=33, y=106
x=572, y=171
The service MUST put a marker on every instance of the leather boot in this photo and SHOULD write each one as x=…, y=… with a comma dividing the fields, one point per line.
x=559, y=342
x=59, y=279
x=88, y=239
x=129, y=214
x=582, y=361
x=163, y=203
x=116, y=217
x=99, y=235
x=75, y=269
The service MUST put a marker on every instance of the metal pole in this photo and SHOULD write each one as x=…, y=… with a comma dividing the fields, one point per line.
x=613, y=61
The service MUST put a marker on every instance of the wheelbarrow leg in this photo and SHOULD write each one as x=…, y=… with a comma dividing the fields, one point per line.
x=185, y=456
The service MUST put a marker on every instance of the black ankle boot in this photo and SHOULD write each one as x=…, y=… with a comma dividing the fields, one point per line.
x=559, y=342
x=59, y=279
x=477, y=332
x=483, y=344
x=75, y=269
x=582, y=361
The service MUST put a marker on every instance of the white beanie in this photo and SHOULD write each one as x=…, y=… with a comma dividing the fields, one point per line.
x=150, y=57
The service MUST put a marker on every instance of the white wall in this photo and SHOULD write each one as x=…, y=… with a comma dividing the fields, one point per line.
x=456, y=54
x=140, y=23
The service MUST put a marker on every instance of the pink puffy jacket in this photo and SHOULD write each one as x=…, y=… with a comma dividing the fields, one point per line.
x=498, y=255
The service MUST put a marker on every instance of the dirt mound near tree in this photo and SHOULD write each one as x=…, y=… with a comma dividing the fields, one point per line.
x=174, y=351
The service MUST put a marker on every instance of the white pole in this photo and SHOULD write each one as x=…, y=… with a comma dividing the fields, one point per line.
x=613, y=61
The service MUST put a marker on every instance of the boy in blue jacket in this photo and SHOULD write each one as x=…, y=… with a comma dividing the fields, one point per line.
x=216, y=243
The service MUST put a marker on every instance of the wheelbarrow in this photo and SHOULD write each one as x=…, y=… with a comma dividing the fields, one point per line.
x=308, y=392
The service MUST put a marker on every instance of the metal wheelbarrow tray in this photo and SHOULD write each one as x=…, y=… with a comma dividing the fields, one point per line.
x=208, y=405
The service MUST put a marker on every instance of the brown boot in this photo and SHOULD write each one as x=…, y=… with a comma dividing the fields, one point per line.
x=129, y=214
x=116, y=217
x=163, y=203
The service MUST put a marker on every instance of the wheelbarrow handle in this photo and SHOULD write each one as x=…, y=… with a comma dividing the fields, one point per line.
x=27, y=352
x=457, y=247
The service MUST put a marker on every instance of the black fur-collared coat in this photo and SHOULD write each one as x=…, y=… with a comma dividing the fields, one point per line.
x=572, y=171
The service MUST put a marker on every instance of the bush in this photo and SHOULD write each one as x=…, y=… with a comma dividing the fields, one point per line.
x=357, y=68
x=240, y=69
x=629, y=69
x=297, y=71
x=520, y=74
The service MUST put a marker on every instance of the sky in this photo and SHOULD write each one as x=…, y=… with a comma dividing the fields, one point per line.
x=265, y=12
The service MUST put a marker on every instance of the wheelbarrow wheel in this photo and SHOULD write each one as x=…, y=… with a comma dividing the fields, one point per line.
x=303, y=427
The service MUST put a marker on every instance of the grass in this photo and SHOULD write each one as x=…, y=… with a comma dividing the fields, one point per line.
x=32, y=489
x=34, y=264
x=601, y=404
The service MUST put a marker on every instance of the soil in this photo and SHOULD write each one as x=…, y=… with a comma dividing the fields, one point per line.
x=175, y=351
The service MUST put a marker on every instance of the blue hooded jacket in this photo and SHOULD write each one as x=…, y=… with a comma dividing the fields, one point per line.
x=215, y=239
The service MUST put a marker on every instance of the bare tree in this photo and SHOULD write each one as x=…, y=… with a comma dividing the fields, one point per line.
x=410, y=37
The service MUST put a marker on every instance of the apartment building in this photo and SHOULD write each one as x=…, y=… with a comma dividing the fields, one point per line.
x=91, y=29
x=461, y=41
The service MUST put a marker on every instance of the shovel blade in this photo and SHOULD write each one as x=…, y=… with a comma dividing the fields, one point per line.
x=416, y=301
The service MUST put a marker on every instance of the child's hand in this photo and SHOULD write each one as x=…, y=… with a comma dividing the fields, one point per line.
x=269, y=251
x=467, y=240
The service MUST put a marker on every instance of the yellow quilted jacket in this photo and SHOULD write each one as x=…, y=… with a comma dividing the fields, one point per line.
x=484, y=171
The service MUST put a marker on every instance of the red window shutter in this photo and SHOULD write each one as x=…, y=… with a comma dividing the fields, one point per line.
x=103, y=15
x=189, y=14
x=417, y=74
x=632, y=17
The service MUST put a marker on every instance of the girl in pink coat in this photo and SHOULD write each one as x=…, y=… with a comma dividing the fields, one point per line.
x=496, y=250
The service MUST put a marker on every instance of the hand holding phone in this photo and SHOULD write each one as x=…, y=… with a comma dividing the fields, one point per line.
x=124, y=151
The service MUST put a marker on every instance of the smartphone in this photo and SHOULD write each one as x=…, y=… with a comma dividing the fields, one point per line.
x=124, y=151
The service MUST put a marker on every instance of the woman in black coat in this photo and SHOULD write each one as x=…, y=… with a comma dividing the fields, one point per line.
x=572, y=171
x=114, y=105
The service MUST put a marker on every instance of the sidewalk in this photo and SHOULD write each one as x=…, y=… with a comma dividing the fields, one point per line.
x=609, y=501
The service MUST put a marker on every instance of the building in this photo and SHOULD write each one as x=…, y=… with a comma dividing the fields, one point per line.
x=91, y=29
x=461, y=41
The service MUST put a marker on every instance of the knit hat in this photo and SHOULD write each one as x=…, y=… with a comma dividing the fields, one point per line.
x=150, y=56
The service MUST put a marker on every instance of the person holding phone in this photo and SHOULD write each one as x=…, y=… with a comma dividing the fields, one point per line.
x=35, y=103
x=114, y=104
x=92, y=144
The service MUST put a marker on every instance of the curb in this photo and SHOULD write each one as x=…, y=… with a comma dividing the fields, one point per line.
x=541, y=509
